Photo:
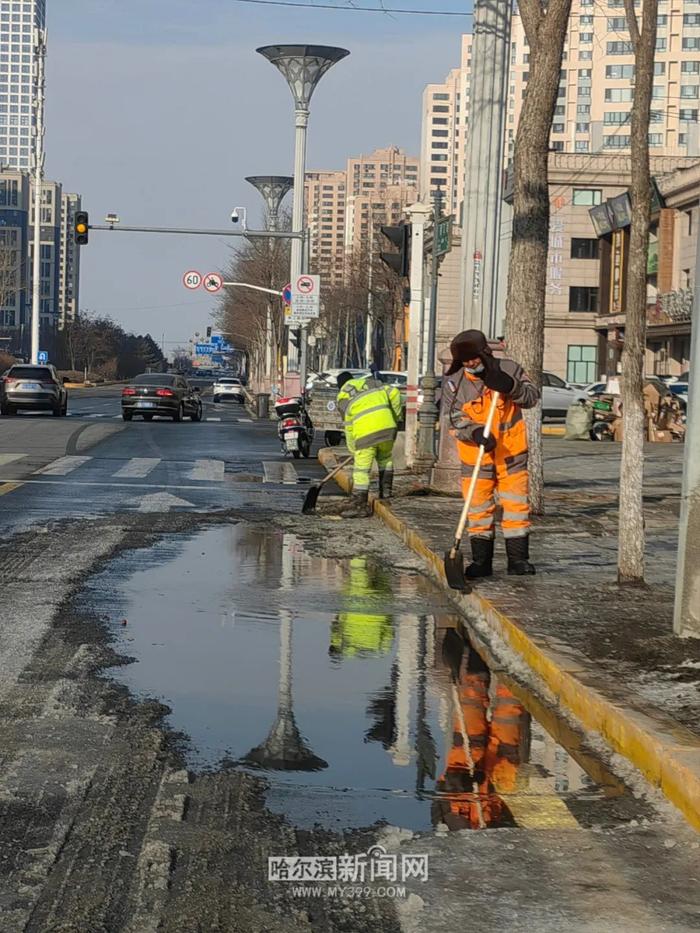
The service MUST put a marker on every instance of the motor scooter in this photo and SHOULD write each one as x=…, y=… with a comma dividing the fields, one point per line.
x=295, y=429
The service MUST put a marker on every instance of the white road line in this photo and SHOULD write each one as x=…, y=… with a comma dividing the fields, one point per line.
x=207, y=470
x=63, y=466
x=10, y=458
x=245, y=420
x=138, y=467
x=213, y=419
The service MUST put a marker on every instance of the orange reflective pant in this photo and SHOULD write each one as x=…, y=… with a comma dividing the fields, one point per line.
x=497, y=480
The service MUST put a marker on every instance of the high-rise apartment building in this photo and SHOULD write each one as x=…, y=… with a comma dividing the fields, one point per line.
x=597, y=80
x=445, y=121
x=345, y=209
x=18, y=21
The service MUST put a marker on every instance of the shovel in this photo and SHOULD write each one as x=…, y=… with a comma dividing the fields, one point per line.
x=313, y=493
x=454, y=562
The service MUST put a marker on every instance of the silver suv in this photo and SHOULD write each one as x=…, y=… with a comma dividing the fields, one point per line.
x=33, y=388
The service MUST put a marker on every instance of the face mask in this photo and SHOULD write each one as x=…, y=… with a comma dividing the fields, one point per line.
x=476, y=370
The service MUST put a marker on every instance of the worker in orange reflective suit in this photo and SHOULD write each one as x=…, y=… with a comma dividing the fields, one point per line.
x=495, y=752
x=473, y=377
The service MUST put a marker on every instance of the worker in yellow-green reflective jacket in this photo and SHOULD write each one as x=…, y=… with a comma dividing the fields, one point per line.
x=371, y=413
x=361, y=630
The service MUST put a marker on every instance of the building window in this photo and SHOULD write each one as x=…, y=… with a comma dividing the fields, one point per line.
x=686, y=115
x=441, y=133
x=656, y=139
x=658, y=92
x=583, y=127
x=662, y=20
x=661, y=44
x=620, y=48
x=691, y=19
x=559, y=110
x=690, y=68
x=584, y=248
x=690, y=43
x=583, y=109
x=558, y=127
x=586, y=20
x=585, y=38
x=583, y=298
x=659, y=68
x=616, y=142
x=582, y=363
x=440, y=108
x=619, y=71
x=584, y=72
x=656, y=116
x=616, y=117
x=585, y=55
x=618, y=95
x=558, y=145
x=441, y=96
x=581, y=145
x=689, y=90
x=586, y=197
x=617, y=24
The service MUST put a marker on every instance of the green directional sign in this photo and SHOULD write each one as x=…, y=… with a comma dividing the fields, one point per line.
x=443, y=236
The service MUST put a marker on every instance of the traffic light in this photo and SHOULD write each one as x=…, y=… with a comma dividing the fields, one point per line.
x=208, y=332
x=81, y=227
x=399, y=261
x=295, y=338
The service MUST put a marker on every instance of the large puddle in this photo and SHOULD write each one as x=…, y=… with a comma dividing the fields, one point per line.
x=345, y=684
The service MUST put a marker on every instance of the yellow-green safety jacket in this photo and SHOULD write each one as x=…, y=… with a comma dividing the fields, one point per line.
x=371, y=412
x=360, y=631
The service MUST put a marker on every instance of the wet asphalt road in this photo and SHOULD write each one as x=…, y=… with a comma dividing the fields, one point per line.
x=302, y=651
x=93, y=463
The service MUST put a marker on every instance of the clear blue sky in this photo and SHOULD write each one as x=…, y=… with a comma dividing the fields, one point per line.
x=158, y=109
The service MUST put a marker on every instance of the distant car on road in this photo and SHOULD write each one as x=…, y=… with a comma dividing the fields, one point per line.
x=162, y=394
x=33, y=388
x=229, y=387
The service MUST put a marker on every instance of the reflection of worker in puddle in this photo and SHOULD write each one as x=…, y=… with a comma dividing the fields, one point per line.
x=479, y=771
x=360, y=629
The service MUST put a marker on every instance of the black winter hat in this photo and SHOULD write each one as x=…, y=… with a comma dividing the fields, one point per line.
x=467, y=346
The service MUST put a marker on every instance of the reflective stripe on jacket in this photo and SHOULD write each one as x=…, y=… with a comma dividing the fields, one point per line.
x=371, y=412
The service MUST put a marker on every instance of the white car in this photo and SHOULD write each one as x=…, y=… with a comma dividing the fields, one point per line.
x=228, y=387
x=558, y=396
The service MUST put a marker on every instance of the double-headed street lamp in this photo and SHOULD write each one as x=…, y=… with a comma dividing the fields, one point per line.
x=273, y=189
x=302, y=66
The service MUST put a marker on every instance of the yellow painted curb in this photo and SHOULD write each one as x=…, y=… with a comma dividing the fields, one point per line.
x=553, y=430
x=666, y=753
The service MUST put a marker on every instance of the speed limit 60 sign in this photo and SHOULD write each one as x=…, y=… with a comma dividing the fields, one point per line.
x=192, y=279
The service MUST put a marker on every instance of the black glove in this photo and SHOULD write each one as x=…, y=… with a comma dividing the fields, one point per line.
x=493, y=376
x=488, y=443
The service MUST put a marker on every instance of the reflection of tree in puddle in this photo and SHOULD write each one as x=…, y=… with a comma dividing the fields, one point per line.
x=489, y=743
x=285, y=749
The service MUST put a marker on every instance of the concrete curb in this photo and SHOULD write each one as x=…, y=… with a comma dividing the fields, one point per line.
x=664, y=751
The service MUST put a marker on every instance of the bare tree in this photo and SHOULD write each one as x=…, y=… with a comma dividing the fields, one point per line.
x=630, y=560
x=545, y=23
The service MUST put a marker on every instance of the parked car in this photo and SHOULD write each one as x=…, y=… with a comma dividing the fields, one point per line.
x=229, y=387
x=558, y=395
x=161, y=394
x=33, y=388
x=393, y=378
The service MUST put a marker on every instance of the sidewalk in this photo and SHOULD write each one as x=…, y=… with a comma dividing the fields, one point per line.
x=607, y=653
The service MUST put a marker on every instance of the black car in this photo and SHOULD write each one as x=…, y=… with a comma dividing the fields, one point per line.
x=33, y=388
x=164, y=394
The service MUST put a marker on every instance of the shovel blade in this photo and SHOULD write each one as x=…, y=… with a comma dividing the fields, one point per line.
x=454, y=570
x=311, y=499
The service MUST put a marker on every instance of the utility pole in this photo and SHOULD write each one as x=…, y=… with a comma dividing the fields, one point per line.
x=686, y=610
x=483, y=183
x=368, y=321
x=419, y=215
x=39, y=63
x=428, y=412
x=302, y=66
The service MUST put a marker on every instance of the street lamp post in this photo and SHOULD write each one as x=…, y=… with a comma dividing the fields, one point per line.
x=302, y=66
x=39, y=60
x=273, y=189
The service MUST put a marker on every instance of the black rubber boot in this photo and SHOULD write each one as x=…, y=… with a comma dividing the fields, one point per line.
x=386, y=484
x=359, y=506
x=482, y=558
x=518, y=551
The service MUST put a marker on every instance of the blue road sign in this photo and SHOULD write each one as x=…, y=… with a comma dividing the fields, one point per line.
x=42, y=356
x=204, y=349
x=216, y=339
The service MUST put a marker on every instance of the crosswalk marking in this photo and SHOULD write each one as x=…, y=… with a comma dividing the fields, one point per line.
x=245, y=420
x=138, y=467
x=207, y=470
x=280, y=471
x=213, y=419
x=10, y=458
x=63, y=466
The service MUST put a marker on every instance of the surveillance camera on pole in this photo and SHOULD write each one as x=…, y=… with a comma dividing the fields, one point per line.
x=239, y=215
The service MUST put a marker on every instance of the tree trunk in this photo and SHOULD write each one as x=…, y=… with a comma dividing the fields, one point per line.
x=630, y=560
x=527, y=273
